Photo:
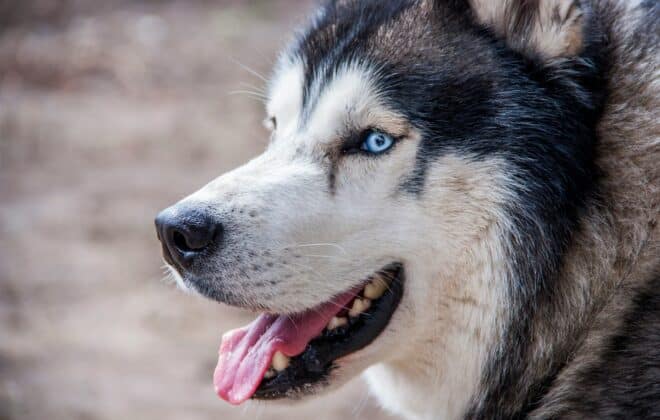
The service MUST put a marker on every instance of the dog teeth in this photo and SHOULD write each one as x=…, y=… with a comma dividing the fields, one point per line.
x=375, y=288
x=270, y=373
x=336, y=322
x=359, y=306
x=280, y=361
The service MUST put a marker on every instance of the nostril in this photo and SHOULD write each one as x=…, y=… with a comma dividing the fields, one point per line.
x=193, y=238
x=180, y=242
x=187, y=234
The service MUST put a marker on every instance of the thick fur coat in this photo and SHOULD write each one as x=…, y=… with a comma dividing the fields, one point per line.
x=521, y=197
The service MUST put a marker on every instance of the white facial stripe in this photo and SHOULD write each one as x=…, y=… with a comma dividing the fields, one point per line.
x=344, y=98
x=351, y=100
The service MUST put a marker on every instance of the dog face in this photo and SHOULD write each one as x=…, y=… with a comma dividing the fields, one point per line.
x=300, y=222
x=395, y=157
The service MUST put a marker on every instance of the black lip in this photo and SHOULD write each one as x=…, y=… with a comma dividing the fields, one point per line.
x=311, y=369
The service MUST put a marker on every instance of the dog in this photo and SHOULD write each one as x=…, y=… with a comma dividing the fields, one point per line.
x=460, y=199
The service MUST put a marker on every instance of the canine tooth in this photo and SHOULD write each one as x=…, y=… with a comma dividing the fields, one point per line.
x=359, y=306
x=280, y=361
x=375, y=288
x=336, y=322
x=270, y=373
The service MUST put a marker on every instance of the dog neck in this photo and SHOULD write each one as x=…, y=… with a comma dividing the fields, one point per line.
x=442, y=369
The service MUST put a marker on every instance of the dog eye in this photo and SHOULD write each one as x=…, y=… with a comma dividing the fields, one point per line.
x=270, y=123
x=376, y=142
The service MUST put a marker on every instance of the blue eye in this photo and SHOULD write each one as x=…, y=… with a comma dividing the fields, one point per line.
x=377, y=142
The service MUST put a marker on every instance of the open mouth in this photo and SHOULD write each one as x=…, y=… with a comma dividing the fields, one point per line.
x=279, y=356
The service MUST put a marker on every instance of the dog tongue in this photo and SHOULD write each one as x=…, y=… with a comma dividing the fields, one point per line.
x=245, y=353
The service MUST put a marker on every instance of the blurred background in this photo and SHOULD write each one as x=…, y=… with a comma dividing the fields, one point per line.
x=111, y=110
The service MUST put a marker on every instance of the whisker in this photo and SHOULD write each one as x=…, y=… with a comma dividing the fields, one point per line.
x=326, y=256
x=249, y=70
x=249, y=94
x=310, y=269
x=320, y=244
x=254, y=88
x=292, y=321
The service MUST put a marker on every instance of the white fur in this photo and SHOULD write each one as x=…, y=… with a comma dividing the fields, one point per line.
x=286, y=97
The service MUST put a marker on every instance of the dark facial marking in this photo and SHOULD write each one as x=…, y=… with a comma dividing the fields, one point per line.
x=332, y=177
x=339, y=36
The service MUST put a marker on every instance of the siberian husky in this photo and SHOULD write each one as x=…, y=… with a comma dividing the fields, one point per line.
x=460, y=198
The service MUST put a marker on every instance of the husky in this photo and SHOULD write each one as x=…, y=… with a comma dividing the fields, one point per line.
x=460, y=199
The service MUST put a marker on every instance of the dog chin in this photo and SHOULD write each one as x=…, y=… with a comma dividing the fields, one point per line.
x=344, y=371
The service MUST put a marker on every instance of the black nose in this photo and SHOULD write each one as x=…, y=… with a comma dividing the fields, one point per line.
x=185, y=232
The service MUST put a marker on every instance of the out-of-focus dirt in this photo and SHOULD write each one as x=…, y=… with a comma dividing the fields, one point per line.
x=108, y=114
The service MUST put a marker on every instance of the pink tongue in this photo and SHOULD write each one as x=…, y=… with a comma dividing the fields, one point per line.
x=245, y=353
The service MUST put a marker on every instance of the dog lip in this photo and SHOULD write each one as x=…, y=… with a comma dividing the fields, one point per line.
x=312, y=368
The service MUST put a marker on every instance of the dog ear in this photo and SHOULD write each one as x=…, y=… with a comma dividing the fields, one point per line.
x=542, y=28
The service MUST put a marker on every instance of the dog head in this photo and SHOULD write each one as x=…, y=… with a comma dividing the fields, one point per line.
x=411, y=143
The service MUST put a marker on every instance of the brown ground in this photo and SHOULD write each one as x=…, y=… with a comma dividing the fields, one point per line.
x=109, y=111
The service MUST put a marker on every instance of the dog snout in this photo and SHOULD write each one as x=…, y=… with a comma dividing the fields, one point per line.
x=185, y=233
